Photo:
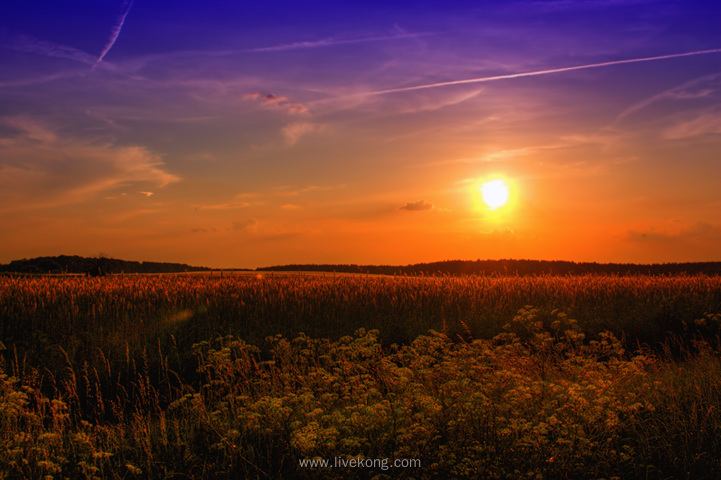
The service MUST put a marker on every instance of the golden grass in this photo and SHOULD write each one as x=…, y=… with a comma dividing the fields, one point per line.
x=159, y=377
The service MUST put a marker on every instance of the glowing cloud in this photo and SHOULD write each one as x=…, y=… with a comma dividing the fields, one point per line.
x=40, y=168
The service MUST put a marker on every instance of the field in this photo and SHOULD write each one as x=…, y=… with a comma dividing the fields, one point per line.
x=255, y=376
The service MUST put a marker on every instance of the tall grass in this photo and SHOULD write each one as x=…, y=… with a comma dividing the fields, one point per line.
x=191, y=377
x=135, y=309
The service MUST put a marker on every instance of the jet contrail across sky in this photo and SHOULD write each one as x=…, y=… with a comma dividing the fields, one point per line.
x=114, y=34
x=541, y=72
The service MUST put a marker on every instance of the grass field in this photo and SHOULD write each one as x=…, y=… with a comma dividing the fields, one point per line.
x=248, y=376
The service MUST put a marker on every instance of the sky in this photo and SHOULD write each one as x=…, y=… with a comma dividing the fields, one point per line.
x=244, y=134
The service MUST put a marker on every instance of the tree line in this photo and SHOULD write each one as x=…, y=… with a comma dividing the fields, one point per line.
x=512, y=267
x=93, y=266
x=101, y=265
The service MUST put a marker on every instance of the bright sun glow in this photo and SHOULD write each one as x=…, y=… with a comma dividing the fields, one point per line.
x=495, y=193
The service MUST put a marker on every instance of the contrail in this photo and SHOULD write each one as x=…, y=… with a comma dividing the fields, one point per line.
x=542, y=72
x=114, y=33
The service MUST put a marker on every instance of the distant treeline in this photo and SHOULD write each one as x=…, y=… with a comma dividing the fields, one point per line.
x=96, y=266
x=513, y=267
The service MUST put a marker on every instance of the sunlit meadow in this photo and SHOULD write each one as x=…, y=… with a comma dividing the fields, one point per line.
x=247, y=376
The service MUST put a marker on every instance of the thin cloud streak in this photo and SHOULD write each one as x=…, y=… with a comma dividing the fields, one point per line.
x=114, y=34
x=330, y=42
x=140, y=62
x=37, y=81
x=541, y=72
x=676, y=93
x=28, y=44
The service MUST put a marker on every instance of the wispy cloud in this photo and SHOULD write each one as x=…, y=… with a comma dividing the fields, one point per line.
x=35, y=46
x=288, y=191
x=270, y=100
x=115, y=33
x=332, y=42
x=703, y=87
x=29, y=129
x=708, y=121
x=223, y=206
x=418, y=206
x=41, y=168
x=202, y=230
x=554, y=5
x=26, y=82
x=540, y=72
x=698, y=231
x=295, y=131
x=249, y=226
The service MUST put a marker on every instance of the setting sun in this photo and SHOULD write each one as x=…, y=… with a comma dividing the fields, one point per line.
x=495, y=193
